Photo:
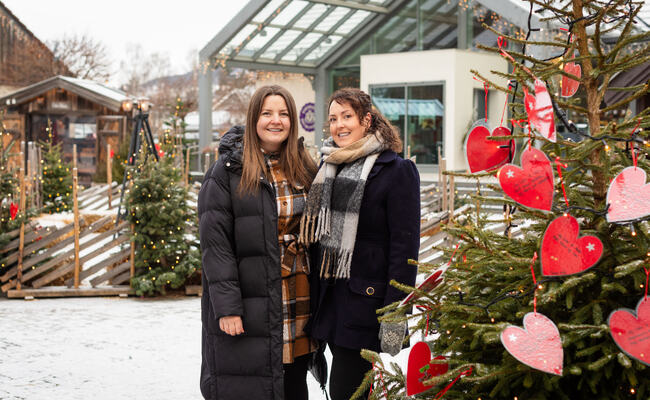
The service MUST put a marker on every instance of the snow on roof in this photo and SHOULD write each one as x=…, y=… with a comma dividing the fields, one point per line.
x=109, y=97
x=98, y=88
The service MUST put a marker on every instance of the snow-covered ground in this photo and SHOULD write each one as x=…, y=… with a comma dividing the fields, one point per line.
x=105, y=348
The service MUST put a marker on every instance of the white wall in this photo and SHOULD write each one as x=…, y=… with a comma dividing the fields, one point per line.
x=300, y=88
x=452, y=68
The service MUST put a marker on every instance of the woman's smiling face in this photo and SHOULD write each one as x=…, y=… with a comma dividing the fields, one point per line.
x=345, y=126
x=273, y=124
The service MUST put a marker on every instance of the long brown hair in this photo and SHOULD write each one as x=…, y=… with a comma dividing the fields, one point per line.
x=362, y=106
x=297, y=165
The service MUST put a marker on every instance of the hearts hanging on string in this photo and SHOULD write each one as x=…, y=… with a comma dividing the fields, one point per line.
x=420, y=369
x=631, y=330
x=628, y=196
x=531, y=185
x=540, y=110
x=564, y=253
x=430, y=282
x=570, y=86
x=13, y=211
x=487, y=155
x=537, y=345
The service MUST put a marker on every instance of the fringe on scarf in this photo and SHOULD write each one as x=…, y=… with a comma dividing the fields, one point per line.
x=335, y=263
x=314, y=227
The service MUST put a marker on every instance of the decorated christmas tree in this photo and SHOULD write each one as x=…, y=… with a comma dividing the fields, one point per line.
x=57, y=176
x=9, y=213
x=557, y=309
x=157, y=205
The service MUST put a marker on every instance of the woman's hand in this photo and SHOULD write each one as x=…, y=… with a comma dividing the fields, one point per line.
x=231, y=325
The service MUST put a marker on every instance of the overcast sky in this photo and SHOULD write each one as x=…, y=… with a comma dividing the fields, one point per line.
x=164, y=26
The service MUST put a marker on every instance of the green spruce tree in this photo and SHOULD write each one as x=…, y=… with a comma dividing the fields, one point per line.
x=57, y=176
x=489, y=284
x=157, y=204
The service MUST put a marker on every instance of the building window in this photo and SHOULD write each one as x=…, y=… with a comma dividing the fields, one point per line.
x=479, y=104
x=418, y=112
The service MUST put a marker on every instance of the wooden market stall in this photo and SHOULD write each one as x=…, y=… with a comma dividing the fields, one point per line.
x=83, y=113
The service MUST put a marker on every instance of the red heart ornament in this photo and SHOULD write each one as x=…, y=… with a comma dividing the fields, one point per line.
x=537, y=345
x=487, y=155
x=564, y=253
x=531, y=185
x=570, y=86
x=420, y=369
x=628, y=196
x=13, y=211
x=631, y=330
x=540, y=110
x=431, y=282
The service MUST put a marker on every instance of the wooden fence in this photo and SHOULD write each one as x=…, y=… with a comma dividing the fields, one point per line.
x=51, y=262
x=62, y=257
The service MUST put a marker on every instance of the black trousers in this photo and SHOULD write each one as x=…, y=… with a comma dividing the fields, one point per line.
x=348, y=370
x=295, y=379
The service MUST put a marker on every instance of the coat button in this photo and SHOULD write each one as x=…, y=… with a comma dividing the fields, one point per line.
x=227, y=164
x=370, y=290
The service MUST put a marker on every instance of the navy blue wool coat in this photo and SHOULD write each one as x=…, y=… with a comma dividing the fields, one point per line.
x=241, y=276
x=388, y=234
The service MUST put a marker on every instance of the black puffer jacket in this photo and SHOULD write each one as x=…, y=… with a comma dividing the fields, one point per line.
x=241, y=276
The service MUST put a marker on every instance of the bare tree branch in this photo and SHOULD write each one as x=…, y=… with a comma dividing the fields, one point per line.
x=85, y=57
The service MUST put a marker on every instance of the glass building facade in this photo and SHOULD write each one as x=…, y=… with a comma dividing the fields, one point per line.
x=418, y=109
x=325, y=39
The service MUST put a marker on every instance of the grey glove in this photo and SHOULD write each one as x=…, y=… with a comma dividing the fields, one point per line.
x=391, y=335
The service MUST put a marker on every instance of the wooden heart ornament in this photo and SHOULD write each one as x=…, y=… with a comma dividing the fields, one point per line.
x=532, y=184
x=420, y=369
x=628, y=196
x=631, y=330
x=570, y=86
x=564, y=253
x=537, y=345
x=540, y=110
x=487, y=155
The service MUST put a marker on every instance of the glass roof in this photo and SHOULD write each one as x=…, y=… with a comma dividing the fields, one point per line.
x=304, y=33
x=299, y=33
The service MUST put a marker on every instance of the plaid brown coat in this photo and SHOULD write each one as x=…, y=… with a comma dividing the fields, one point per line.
x=295, y=265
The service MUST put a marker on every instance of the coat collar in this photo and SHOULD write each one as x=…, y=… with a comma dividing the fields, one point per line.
x=386, y=157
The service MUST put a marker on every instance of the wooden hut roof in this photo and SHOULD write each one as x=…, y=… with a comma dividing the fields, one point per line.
x=93, y=91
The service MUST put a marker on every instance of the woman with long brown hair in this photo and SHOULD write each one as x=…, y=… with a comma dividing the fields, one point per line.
x=363, y=211
x=255, y=300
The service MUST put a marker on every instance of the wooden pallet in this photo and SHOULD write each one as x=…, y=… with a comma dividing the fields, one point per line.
x=63, y=291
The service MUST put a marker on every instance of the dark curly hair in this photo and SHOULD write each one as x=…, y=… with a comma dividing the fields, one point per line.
x=362, y=106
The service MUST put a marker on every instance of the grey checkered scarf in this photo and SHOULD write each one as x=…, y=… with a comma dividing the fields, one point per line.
x=332, y=212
